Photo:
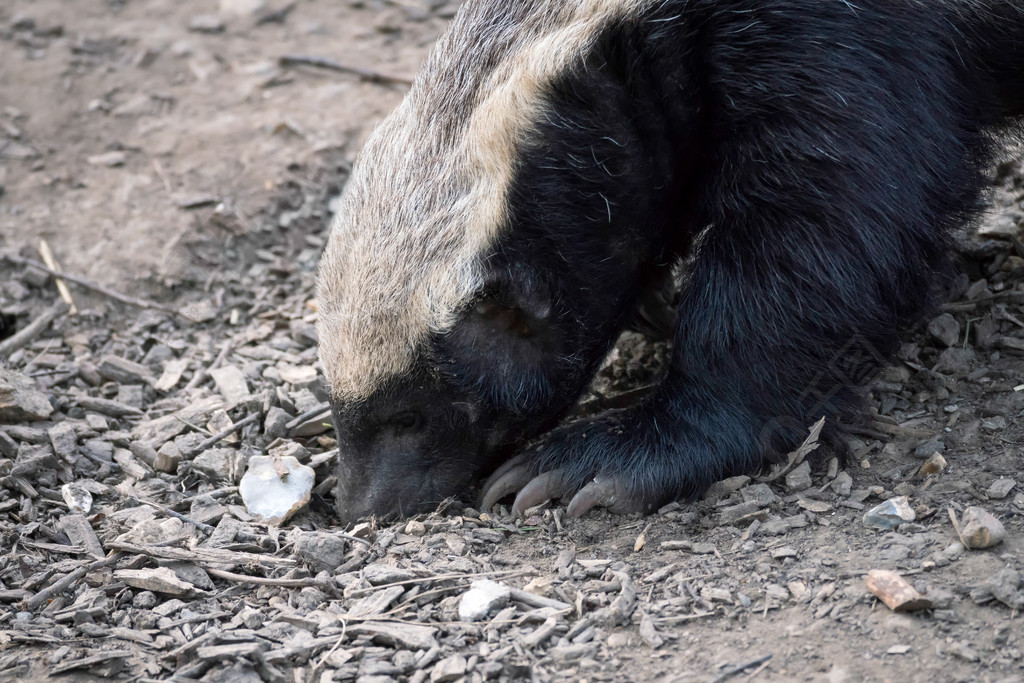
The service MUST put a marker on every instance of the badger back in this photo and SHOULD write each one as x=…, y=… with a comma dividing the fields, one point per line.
x=426, y=203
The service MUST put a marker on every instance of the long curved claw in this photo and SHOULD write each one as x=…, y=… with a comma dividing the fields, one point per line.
x=512, y=476
x=544, y=486
x=603, y=491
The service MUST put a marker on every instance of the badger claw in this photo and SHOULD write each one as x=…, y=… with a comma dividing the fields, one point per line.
x=544, y=486
x=512, y=476
x=603, y=491
x=587, y=465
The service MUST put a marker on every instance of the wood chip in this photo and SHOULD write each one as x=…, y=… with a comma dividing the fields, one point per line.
x=895, y=592
x=408, y=636
x=158, y=580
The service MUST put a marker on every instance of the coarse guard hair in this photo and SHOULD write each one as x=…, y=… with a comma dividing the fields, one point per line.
x=427, y=197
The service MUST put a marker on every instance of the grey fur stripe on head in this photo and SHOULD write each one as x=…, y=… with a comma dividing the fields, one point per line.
x=427, y=197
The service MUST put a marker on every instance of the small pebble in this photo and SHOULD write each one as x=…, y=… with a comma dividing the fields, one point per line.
x=1000, y=488
x=945, y=329
x=483, y=598
x=978, y=528
x=890, y=514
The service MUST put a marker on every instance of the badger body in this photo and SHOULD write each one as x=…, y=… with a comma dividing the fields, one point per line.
x=800, y=162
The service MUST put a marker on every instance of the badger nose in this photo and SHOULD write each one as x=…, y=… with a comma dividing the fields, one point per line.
x=384, y=499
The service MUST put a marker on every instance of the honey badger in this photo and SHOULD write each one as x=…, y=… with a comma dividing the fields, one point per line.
x=802, y=161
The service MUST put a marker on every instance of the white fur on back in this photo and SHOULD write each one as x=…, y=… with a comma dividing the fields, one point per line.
x=427, y=197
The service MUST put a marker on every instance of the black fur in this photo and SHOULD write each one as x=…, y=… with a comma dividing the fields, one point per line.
x=805, y=159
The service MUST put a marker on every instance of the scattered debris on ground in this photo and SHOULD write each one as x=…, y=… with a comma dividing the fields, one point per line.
x=158, y=521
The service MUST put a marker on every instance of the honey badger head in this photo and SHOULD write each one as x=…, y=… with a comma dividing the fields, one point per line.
x=485, y=251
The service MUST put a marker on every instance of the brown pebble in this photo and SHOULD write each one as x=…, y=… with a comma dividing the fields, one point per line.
x=895, y=592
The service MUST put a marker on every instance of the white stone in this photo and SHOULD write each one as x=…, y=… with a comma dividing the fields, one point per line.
x=78, y=499
x=482, y=598
x=273, y=489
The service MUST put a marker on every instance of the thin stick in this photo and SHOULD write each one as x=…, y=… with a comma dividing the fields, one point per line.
x=33, y=329
x=202, y=373
x=205, y=528
x=331, y=65
x=321, y=409
x=222, y=434
x=739, y=668
x=160, y=174
x=314, y=675
x=439, y=577
x=82, y=282
x=261, y=581
x=62, y=287
x=45, y=594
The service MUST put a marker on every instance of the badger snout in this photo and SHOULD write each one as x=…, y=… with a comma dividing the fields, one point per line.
x=400, y=457
x=397, y=487
x=383, y=495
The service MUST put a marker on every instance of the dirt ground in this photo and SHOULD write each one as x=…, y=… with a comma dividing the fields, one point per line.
x=163, y=151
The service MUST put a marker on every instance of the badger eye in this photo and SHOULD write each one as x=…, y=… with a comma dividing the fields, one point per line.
x=406, y=421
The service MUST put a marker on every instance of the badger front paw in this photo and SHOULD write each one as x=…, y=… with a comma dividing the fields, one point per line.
x=597, y=463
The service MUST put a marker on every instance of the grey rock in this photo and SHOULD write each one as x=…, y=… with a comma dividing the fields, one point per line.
x=761, y=494
x=375, y=603
x=1005, y=586
x=382, y=574
x=290, y=448
x=945, y=329
x=220, y=464
x=744, y=512
x=64, y=440
x=774, y=527
x=926, y=449
x=231, y=384
x=408, y=636
x=20, y=401
x=320, y=549
x=157, y=355
x=890, y=514
x=842, y=484
x=98, y=449
x=309, y=599
x=241, y=8
x=994, y=424
x=167, y=458
x=191, y=573
x=800, y=478
x=96, y=422
x=955, y=361
x=124, y=371
x=145, y=600
x=206, y=23
x=274, y=423
x=131, y=395
x=448, y=669
x=1000, y=488
x=8, y=446
x=953, y=551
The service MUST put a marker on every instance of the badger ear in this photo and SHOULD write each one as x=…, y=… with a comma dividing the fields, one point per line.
x=502, y=346
x=516, y=303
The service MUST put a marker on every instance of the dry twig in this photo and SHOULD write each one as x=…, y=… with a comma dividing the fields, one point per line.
x=739, y=668
x=42, y=596
x=62, y=288
x=92, y=286
x=331, y=65
x=33, y=329
x=223, y=434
